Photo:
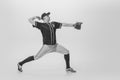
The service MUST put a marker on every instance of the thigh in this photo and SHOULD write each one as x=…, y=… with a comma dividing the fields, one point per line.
x=61, y=49
x=44, y=50
x=52, y=48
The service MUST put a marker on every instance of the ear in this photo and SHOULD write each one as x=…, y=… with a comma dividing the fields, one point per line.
x=43, y=18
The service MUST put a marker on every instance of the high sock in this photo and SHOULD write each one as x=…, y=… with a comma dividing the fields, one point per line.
x=28, y=59
x=67, y=60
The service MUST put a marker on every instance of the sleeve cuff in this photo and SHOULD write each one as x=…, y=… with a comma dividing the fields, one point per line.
x=60, y=25
x=35, y=24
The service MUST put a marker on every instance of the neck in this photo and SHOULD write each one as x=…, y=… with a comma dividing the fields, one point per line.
x=46, y=21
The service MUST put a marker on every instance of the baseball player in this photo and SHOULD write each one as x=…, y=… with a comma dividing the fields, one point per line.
x=48, y=30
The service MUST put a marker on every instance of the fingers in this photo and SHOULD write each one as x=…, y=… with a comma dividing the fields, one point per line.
x=79, y=22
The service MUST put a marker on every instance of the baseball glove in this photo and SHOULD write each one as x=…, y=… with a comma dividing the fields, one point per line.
x=77, y=25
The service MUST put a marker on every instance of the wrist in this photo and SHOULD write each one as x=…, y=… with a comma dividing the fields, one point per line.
x=73, y=25
x=33, y=18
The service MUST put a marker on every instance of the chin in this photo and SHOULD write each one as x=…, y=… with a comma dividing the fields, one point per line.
x=48, y=20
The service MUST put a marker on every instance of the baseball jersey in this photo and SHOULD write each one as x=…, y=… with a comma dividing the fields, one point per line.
x=48, y=31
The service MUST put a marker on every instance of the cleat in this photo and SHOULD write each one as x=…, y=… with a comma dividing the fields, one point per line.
x=70, y=70
x=19, y=68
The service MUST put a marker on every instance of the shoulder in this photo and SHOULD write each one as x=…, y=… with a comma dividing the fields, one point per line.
x=55, y=22
x=39, y=24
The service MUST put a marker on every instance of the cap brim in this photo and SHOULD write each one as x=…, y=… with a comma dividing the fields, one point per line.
x=45, y=14
x=48, y=13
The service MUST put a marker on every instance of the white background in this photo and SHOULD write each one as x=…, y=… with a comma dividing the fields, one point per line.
x=94, y=49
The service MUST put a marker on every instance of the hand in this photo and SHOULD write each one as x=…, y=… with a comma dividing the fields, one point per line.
x=38, y=17
x=77, y=25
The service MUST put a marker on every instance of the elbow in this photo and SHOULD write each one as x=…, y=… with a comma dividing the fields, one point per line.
x=29, y=20
x=63, y=24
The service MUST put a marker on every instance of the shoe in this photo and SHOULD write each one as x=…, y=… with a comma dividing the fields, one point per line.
x=19, y=67
x=70, y=70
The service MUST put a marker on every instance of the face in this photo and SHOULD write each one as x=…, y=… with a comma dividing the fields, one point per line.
x=46, y=19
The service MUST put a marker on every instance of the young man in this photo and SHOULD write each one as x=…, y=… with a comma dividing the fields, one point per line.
x=48, y=30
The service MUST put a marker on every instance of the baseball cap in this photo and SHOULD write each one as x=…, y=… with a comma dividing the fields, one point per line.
x=45, y=14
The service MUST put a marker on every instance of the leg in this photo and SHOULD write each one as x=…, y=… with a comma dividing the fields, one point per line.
x=40, y=53
x=61, y=49
x=64, y=51
x=28, y=59
x=44, y=50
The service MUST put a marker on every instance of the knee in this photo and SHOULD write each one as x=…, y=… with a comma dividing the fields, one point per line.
x=36, y=57
x=67, y=52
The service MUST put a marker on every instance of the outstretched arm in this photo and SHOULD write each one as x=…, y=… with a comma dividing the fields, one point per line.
x=69, y=24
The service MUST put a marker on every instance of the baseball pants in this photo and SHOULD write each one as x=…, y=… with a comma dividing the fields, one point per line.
x=49, y=49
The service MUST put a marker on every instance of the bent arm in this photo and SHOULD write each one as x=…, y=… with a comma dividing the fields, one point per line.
x=32, y=19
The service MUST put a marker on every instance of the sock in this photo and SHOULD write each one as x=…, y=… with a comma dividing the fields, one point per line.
x=28, y=59
x=67, y=60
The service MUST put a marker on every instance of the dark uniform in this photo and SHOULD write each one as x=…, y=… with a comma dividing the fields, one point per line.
x=48, y=31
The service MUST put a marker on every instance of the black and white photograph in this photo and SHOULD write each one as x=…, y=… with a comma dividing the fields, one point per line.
x=60, y=39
